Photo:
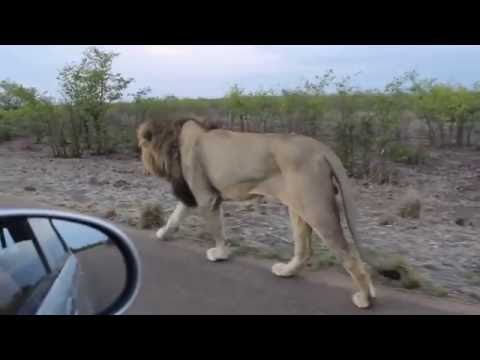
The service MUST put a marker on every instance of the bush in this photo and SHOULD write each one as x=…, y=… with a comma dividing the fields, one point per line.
x=151, y=216
x=6, y=133
x=397, y=268
x=406, y=154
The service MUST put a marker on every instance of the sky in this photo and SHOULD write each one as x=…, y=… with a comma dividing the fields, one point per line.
x=209, y=71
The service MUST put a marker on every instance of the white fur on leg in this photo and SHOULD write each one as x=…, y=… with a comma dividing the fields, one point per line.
x=164, y=231
x=360, y=299
x=218, y=253
x=373, y=293
x=285, y=270
x=171, y=226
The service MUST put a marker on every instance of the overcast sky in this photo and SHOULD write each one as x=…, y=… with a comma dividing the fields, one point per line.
x=209, y=71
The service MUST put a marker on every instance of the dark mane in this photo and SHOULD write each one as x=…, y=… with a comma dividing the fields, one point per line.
x=161, y=152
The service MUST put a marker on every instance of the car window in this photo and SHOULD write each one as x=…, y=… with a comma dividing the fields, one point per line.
x=21, y=265
x=49, y=241
x=78, y=236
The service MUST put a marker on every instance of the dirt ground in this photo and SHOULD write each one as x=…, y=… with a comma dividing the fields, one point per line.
x=443, y=245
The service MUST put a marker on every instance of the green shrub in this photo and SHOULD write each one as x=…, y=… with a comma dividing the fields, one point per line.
x=6, y=133
x=406, y=154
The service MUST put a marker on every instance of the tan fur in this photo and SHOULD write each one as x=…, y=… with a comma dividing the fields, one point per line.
x=217, y=165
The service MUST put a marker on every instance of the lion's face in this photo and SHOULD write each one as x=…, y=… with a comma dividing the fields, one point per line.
x=160, y=148
x=150, y=162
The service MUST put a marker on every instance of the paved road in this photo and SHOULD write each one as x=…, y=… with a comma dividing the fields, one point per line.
x=177, y=279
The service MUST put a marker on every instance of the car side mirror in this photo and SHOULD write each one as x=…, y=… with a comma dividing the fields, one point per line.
x=58, y=263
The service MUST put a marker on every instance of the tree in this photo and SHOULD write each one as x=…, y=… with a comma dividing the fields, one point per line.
x=14, y=96
x=236, y=105
x=141, y=104
x=345, y=100
x=26, y=108
x=89, y=88
x=262, y=105
x=316, y=99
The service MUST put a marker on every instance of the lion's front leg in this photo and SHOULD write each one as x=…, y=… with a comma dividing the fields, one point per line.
x=180, y=212
x=214, y=219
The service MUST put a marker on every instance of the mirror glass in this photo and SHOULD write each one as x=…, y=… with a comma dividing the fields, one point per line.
x=52, y=266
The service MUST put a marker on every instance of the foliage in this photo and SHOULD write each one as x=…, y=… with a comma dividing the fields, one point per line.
x=88, y=89
x=366, y=127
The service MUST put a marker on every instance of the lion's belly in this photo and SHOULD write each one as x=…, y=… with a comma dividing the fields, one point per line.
x=238, y=192
x=234, y=167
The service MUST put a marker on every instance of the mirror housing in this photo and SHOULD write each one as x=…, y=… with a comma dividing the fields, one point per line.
x=114, y=235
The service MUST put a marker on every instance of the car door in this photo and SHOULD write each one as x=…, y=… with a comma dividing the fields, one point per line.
x=62, y=295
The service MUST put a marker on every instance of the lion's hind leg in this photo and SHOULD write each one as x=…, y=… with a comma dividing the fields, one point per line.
x=302, y=233
x=328, y=227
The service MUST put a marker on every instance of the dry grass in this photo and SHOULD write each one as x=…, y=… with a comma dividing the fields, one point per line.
x=410, y=205
x=396, y=268
x=151, y=216
x=110, y=214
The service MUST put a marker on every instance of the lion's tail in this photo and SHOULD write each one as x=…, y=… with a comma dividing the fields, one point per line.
x=340, y=175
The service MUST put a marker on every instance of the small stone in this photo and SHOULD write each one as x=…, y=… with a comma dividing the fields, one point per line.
x=93, y=181
x=430, y=266
x=120, y=183
x=460, y=221
x=132, y=221
x=386, y=219
x=29, y=188
x=110, y=214
x=473, y=294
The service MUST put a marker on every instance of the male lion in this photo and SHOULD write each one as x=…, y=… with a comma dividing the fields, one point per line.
x=207, y=165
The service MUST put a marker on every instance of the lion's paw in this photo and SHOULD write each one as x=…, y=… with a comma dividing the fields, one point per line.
x=373, y=292
x=216, y=254
x=282, y=270
x=361, y=300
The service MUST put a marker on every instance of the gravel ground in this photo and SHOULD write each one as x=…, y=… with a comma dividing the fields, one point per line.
x=443, y=245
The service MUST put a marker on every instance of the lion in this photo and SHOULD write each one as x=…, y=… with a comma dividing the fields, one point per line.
x=207, y=165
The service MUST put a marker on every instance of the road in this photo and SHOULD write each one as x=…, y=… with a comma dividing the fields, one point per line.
x=178, y=279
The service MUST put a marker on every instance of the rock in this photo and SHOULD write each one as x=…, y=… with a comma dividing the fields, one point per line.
x=460, y=221
x=120, y=183
x=110, y=214
x=475, y=294
x=132, y=221
x=430, y=266
x=29, y=188
x=93, y=181
x=249, y=208
x=386, y=219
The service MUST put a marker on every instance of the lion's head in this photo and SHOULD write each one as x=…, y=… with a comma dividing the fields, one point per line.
x=159, y=142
